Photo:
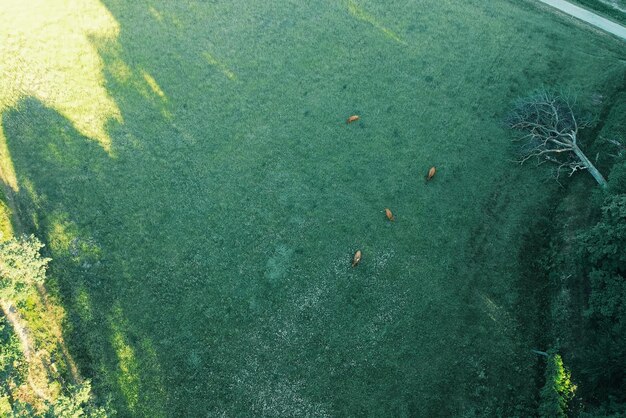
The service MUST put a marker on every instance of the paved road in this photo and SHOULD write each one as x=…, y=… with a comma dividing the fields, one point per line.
x=589, y=17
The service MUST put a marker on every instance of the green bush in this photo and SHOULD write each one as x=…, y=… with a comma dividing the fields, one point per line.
x=77, y=403
x=558, y=389
x=617, y=178
x=603, y=260
x=21, y=265
x=13, y=367
x=603, y=249
x=602, y=245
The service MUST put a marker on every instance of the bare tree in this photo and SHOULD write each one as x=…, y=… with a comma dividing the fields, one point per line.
x=550, y=126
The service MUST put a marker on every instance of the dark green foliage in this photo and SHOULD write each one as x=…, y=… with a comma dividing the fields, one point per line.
x=617, y=178
x=21, y=265
x=604, y=242
x=558, y=390
x=13, y=368
x=604, y=265
x=77, y=403
x=609, y=409
x=610, y=143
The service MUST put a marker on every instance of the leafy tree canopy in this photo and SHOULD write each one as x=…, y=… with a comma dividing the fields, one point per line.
x=21, y=264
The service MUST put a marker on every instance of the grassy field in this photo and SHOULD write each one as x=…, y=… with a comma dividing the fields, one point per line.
x=612, y=9
x=189, y=166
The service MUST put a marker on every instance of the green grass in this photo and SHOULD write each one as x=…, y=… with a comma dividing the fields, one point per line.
x=612, y=9
x=203, y=203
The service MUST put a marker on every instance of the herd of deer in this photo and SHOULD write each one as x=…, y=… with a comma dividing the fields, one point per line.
x=431, y=173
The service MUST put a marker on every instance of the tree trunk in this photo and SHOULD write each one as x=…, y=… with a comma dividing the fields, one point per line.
x=592, y=169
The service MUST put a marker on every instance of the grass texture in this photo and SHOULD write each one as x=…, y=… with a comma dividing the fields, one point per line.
x=189, y=166
x=612, y=9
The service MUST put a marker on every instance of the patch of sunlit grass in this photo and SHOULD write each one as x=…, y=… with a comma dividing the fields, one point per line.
x=6, y=229
x=157, y=393
x=83, y=304
x=219, y=65
x=128, y=378
x=49, y=55
x=156, y=14
x=358, y=12
x=62, y=232
x=7, y=171
x=154, y=86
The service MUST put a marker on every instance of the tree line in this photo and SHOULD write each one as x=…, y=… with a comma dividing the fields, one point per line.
x=584, y=375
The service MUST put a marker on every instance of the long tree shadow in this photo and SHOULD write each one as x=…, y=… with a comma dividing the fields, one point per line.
x=174, y=251
x=204, y=260
x=60, y=172
x=136, y=241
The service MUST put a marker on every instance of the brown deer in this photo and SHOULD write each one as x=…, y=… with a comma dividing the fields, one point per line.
x=357, y=258
x=431, y=173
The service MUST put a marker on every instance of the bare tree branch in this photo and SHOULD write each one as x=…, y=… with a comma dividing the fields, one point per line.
x=621, y=147
x=550, y=129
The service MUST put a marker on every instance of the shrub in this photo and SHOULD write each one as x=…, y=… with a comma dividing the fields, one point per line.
x=21, y=265
x=558, y=389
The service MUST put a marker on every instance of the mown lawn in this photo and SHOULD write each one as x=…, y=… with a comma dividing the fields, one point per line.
x=189, y=166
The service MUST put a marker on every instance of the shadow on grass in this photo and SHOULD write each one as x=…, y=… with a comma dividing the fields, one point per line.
x=58, y=171
x=204, y=262
x=126, y=229
x=135, y=234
